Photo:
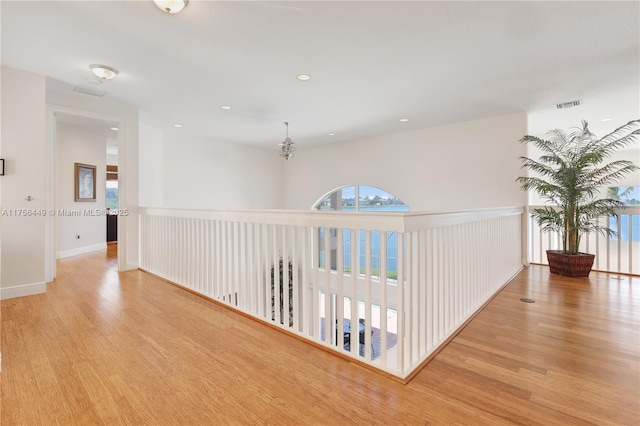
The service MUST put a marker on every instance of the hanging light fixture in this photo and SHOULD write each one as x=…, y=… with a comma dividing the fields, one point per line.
x=287, y=147
x=171, y=6
x=104, y=72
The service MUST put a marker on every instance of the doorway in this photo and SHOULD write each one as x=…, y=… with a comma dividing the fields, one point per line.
x=94, y=127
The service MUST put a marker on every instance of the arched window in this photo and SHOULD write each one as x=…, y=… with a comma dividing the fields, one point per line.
x=361, y=198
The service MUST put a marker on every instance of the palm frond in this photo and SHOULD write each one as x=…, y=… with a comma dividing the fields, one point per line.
x=622, y=132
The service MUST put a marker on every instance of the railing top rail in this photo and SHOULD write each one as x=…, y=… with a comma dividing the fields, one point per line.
x=375, y=221
x=622, y=210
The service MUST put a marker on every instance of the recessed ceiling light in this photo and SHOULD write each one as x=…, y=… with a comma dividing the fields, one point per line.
x=303, y=77
x=104, y=72
x=171, y=6
x=606, y=119
x=177, y=125
x=331, y=134
x=114, y=128
x=227, y=107
x=404, y=120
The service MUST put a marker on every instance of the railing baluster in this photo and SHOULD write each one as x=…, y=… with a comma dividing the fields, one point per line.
x=367, y=301
x=355, y=272
x=401, y=303
x=307, y=263
x=631, y=263
x=383, y=297
x=340, y=287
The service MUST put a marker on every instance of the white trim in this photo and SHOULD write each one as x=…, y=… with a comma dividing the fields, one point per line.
x=80, y=250
x=50, y=193
x=23, y=290
x=132, y=265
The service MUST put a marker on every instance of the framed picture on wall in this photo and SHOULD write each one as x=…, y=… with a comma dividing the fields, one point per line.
x=85, y=182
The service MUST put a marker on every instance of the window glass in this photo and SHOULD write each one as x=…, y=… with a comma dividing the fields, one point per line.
x=629, y=195
x=112, y=194
x=370, y=199
x=341, y=199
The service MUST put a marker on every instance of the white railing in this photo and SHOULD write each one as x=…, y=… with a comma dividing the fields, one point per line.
x=620, y=254
x=343, y=269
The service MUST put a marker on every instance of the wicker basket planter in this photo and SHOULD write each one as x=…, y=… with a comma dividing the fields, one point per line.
x=570, y=265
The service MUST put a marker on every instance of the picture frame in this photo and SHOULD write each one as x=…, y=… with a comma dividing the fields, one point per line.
x=1, y=166
x=84, y=182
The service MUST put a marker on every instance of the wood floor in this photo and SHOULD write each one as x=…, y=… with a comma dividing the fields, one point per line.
x=107, y=348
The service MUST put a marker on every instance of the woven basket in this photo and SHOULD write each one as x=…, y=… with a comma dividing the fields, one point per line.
x=570, y=265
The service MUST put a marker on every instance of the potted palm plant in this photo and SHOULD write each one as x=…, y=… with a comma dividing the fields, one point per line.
x=570, y=175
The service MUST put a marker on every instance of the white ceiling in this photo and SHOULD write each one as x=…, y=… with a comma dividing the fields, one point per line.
x=371, y=62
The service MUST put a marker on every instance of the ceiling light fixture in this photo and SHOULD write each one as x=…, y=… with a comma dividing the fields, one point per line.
x=104, y=72
x=605, y=119
x=171, y=6
x=225, y=107
x=404, y=120
x=114, y=128
x=303, y=77
x=177, y=125
x=331, y=134
x=287, y=147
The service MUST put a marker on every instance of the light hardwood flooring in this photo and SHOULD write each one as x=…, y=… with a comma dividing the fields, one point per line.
x=102, y=347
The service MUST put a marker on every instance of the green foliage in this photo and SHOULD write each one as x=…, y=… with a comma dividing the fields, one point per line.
x=282, y=272
x=569, y=175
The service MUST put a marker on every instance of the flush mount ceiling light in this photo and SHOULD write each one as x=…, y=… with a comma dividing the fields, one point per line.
x=103, y=71
x=404, y=120
x=287, y=147
x=225, y=107
x=303, y=77
x=171, y=6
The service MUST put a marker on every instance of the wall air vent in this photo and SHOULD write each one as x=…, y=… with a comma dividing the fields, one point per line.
x=89, y=90
x=569, y=104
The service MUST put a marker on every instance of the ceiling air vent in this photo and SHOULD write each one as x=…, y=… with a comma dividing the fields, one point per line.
x=89, y=90
x=569, y=104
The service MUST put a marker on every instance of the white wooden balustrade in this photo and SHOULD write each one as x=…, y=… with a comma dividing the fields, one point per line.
x=618, y=254
x=408, y=280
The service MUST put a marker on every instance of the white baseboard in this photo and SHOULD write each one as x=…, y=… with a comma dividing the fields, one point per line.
x=80, y=250
x=22, y=290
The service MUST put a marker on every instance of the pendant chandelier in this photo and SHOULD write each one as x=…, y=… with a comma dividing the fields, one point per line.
x=287, y=147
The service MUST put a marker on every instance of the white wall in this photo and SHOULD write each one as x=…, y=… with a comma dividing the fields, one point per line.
x=204, y=174
x=75, y=145
x=459, y=166
x=23, y=148
x=112, y=159
x=152, y=167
